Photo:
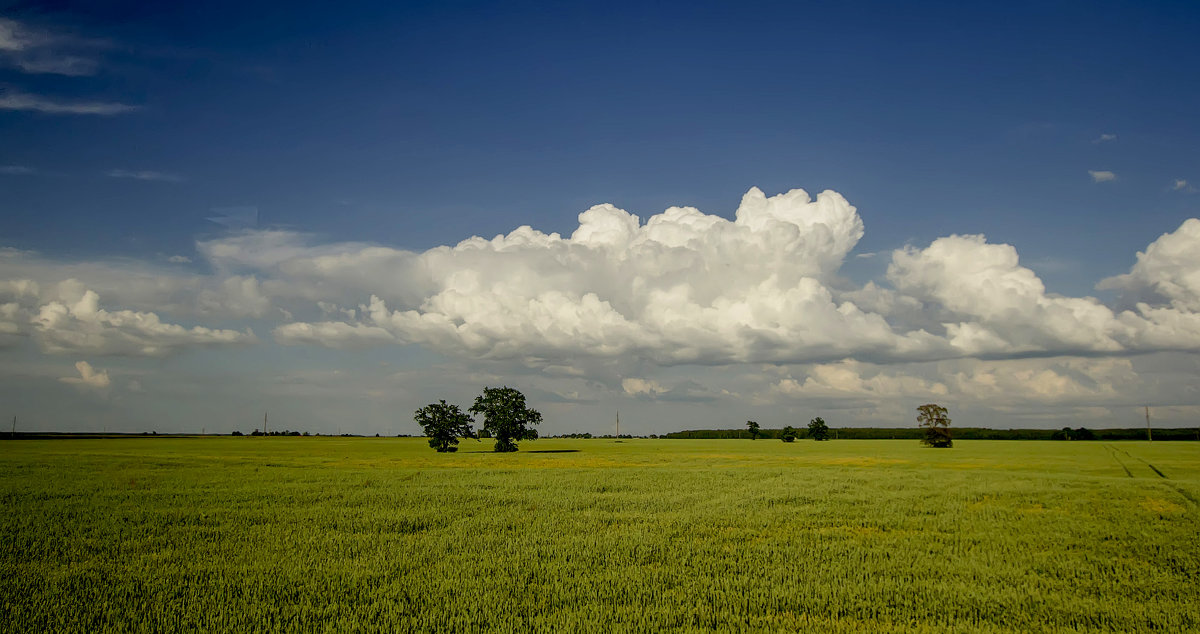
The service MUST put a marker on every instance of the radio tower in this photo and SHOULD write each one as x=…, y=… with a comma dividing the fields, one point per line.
x=1149, y=436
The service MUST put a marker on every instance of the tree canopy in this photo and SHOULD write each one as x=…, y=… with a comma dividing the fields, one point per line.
x=505, y=416
x=817, y=429
x=789, y=434
x=935, y=420
x=753, y=427
x=444, y=423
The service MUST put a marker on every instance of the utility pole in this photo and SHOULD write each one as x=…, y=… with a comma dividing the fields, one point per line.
x=14, y=430
x=1149, y=436
x=618, y=423
x=265, y=424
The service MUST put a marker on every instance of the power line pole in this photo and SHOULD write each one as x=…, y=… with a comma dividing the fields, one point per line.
x=265, y=424
x=618, y=423
x=14, y=429
x=1149, y=436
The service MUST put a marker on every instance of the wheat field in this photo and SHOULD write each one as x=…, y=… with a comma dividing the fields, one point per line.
x=366, y=534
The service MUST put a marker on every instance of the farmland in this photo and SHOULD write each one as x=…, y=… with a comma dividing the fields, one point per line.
x=360, y=534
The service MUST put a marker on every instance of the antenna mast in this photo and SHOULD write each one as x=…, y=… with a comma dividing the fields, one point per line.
x=1149, y=436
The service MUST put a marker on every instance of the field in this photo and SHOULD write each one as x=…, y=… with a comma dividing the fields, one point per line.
x=363, y=534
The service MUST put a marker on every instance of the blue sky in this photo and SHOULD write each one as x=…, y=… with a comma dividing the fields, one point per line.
x=1064, y=129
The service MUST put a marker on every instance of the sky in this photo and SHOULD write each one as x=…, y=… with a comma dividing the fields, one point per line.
x=695, y=214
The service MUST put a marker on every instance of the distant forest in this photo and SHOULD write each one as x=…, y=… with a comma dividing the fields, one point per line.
x=960, y=433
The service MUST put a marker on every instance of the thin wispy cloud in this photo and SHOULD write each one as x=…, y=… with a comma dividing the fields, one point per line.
x=1104, y=138
x=145, y=175
x=40, y=51
x=13, y=100
x=16, y=170
x=1182, y=185
x=1102, y=176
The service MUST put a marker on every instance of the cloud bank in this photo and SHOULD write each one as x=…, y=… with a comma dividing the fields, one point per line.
x=682, y=306
x=689, y=288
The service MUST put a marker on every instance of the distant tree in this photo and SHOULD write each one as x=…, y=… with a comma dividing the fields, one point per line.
x=936, y=422
x=506, y=417
x=236, y=433
x=1083, y=433
x=817, y=429
x=444, y=424
x=753, y=427
x=789, y=434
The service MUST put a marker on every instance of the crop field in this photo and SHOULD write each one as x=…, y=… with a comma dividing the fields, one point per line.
x=365, y=534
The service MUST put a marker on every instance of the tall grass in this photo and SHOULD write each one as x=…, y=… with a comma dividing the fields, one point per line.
x=288, y=534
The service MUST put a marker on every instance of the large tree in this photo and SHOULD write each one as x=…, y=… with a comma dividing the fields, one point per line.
x=936, y=421
x=753, y=427
x=444, y=424
x=789, y=434
x=506, y=417
x=817, y=429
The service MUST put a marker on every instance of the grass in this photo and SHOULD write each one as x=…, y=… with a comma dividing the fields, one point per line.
x=333, y=534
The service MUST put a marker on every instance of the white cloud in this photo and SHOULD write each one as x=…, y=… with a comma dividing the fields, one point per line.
x=13, y=100
x=851, y=378
x=684, y=287
x=689, y=288
x=88, y=377
x=1105, y=138
x=145, y=175
x=1181, y=185
x=1102, y=176
x=635, y=386
x=76, y=323
x=16, y=170
x=179, y=259
x=332, y=334
x=1167, y=272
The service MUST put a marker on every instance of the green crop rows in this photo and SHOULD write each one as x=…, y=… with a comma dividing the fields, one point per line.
x=334, y=534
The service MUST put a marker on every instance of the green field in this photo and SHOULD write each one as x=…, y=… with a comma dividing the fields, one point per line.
x=360, y=534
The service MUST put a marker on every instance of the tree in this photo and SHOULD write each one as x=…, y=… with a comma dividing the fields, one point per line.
x=444, y=424
x=934, y=419
x=817, y=429
x=753, y=427
x=789, y=434
x=505, y=416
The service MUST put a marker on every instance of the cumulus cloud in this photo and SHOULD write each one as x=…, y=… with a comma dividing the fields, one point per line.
x=76, y=323
x=684, y=287
x=998, y=384
x=1167, y=272
x=1181, y=185
x=88, y=377
x=1102, y=176
x=635, y=386
x=1105, y=138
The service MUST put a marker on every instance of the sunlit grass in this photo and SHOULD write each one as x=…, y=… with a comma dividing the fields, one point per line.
x=333, y=534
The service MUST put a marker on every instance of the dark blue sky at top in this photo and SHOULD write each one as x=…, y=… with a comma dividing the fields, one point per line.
x=415, y=125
